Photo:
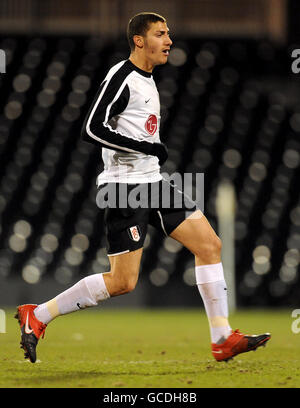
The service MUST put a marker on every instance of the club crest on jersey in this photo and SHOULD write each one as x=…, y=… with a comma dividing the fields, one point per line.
x=134, y=233
x=151, y=124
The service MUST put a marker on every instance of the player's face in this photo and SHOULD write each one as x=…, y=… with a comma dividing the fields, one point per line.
x=157, y=43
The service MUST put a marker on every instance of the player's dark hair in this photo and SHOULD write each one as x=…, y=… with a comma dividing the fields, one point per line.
x=139, y=25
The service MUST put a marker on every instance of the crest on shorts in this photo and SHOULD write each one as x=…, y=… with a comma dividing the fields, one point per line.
x=151, y=124
x=134, y=233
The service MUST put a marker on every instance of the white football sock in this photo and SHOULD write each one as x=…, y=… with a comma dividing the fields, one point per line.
x=212, y=287
x=87, y=292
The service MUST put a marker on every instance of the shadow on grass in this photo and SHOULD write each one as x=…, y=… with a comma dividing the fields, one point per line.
x=35, y=376
x=52, y=379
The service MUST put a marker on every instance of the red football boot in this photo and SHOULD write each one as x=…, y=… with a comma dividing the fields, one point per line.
x=238, y=343
x=31, y=330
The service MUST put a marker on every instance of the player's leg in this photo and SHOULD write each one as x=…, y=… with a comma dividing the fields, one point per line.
x=124, y=272
x=196, y=234
x=88, y=292
x=95, y=288
x=125, y=236
x=126, y=232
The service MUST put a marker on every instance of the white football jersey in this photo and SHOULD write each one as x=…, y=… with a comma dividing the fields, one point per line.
x=124, y=120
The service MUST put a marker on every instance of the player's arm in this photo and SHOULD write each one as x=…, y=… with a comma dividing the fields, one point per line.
x=110, y=101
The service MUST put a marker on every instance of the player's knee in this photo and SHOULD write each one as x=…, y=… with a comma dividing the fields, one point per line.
x=217, y=244
x=210, y=251
x=131, y=284
x=125, y=285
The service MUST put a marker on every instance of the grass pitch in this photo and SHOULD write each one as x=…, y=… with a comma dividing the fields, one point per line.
x=103, y=348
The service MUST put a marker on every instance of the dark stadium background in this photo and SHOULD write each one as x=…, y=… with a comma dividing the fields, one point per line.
x=230, y=109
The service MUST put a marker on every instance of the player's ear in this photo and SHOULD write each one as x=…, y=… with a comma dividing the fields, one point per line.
x=138, y=41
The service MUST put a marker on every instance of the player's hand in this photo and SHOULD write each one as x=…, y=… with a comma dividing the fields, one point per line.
x=160, y=150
